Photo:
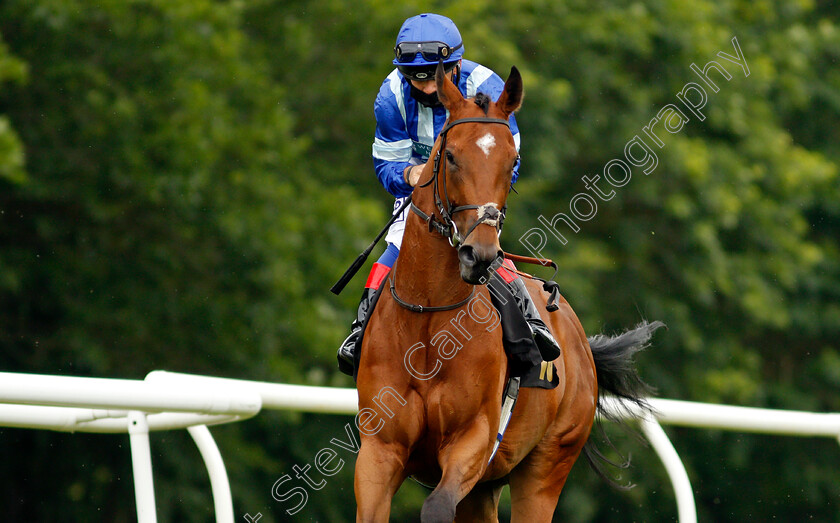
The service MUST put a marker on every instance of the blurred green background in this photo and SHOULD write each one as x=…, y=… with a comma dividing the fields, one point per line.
x=182, y=181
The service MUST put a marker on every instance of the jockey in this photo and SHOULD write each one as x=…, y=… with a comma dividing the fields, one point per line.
x=409, y=118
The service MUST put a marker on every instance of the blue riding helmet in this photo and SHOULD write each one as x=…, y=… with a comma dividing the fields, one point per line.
x=426, y=39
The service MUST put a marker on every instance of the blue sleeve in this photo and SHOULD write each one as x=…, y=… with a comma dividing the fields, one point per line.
x=390, y=175
x=514, y=128
x=392, y=145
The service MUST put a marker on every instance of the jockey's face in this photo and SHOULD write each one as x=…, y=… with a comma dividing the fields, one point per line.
x=428, y=86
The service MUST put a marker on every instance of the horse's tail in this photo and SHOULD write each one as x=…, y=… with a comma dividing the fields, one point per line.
x=617, y=375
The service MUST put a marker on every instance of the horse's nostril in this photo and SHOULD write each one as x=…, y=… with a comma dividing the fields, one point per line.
x=467, y=255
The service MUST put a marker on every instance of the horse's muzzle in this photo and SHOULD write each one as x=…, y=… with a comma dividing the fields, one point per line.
x=477, y=262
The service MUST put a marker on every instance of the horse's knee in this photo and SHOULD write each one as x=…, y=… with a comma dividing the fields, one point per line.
x=439, y=507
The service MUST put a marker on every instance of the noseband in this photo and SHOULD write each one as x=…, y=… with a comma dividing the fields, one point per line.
x=488, y=213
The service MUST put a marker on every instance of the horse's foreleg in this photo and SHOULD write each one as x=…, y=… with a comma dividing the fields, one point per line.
x=462, y=463
x=379, y=473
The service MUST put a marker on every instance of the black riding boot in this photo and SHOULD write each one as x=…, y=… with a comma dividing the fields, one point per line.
x=348, y=347
x=549, y=348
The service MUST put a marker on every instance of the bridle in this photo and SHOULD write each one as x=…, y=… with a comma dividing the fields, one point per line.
x=488, y=213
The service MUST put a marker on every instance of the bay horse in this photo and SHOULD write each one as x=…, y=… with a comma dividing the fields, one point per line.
x=432, y=368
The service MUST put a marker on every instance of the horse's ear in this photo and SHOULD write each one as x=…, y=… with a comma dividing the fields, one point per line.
x=448, y=93
x=511, y=98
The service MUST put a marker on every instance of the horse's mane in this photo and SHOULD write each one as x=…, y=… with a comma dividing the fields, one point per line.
x=483, y=101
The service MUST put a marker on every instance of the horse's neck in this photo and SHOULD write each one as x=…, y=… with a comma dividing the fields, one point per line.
x=428, y=272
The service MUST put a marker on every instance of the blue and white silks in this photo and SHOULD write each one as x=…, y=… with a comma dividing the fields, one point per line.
x=406, y=130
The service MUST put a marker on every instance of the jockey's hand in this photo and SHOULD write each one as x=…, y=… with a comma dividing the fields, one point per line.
x=412, y=174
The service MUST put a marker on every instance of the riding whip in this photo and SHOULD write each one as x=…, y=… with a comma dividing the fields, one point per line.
x=360, y=260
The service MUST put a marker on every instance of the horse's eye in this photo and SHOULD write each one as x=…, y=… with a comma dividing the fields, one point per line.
x=450, y=157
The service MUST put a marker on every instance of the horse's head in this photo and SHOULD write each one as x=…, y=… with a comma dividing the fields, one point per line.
x=475, y=155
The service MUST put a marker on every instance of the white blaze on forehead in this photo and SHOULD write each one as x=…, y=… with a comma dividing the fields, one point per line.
x=485, y=143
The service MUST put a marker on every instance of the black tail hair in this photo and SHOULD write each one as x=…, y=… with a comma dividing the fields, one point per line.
x=617, y=375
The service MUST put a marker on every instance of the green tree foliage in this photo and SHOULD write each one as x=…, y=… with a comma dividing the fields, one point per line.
x=165, y=219
x=181, y=182
x=731, y=240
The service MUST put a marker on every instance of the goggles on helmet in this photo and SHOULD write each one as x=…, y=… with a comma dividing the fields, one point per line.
x=431, y=51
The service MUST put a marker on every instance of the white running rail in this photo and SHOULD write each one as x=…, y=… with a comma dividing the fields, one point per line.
x=168, y=400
